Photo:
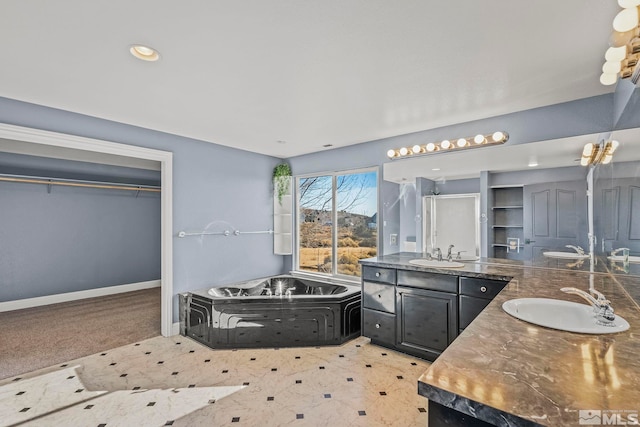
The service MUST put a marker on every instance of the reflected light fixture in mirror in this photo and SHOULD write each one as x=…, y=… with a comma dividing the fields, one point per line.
x=446, y=145
x=593, y=154
x=622, y=57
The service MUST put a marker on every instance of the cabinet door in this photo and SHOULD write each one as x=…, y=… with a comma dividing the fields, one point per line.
x=427, y=321
x=470, y=307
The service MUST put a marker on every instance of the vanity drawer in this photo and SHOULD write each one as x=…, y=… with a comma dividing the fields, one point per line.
x=481, y=288
x=380, y=327
x=379, y=296
x=377, y=274
x=430, y=281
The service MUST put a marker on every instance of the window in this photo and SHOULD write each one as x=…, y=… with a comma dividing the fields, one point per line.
x=337, y=221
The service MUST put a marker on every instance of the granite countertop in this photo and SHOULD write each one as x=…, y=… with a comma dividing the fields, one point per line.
x=510, y=372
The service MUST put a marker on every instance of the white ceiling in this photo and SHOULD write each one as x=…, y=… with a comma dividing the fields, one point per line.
x=250, y=73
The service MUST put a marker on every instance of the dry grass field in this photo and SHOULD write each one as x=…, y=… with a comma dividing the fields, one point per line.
x=319, y=259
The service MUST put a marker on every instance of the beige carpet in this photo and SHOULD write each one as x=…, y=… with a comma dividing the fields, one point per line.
x=38, y=337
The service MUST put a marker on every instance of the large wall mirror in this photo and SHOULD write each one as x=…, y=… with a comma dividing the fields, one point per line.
x=538, y=205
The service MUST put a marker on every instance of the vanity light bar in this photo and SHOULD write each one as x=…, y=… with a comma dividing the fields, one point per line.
x=593, y=154
x=446, y=145
x=622, y=56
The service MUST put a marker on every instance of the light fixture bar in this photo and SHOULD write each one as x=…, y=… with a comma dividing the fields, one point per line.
x=593, y=154
x=447, y=145
x=622, y=56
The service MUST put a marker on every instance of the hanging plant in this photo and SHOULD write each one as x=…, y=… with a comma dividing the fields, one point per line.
x=281, y=179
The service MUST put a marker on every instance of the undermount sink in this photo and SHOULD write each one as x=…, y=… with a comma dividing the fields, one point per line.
x=423, y=262
x=620, y=258
x=562, y=315
x=565, y=255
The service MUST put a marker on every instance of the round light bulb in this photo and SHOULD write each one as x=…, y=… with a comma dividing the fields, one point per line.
x=391, y=154
x=614, y=146
x=616, y=53
x=431, y=146
x=608, y=79
x=611, y=67
x=404, y=151
x=588, y=149
x=478, y=139
x=416, y=149
x=626, y=19
x=461, y=142
x=445, y=144
x=628, y=3
x=497, y=136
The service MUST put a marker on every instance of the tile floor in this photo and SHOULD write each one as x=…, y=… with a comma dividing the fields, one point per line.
x=176, y=381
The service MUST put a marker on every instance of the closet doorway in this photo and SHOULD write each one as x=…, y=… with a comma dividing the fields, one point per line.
x=56, y=142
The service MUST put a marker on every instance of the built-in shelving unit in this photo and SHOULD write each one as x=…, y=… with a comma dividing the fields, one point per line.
x=283, y=222
x=507, y=224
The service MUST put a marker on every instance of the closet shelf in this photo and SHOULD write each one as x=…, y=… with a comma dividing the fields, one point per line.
x=78, y=183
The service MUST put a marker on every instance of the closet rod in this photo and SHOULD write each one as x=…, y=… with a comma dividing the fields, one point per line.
x=78, y=183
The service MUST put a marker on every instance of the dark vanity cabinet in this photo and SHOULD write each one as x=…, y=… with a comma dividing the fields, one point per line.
x=420, y=313
x=379, y=305
x=475, y=295
x=427, y=310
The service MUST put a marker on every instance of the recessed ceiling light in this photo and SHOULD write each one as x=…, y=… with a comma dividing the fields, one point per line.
x=280, y=141
x=145, y=53
x=327, y=145
x=533, y=164
x=435, y=169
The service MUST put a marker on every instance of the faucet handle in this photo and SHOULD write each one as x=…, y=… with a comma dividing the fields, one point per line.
x=600, y=296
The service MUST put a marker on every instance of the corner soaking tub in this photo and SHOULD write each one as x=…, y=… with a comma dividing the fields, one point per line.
x=281, y=311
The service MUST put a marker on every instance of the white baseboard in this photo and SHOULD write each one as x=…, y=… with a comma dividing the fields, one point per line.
x=72, y=296
x=175, y=328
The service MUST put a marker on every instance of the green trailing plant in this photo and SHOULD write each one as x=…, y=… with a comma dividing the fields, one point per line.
x=281, y=175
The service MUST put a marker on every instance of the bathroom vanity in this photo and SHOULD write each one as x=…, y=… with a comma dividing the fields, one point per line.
x=419, y=312
x=500, y=370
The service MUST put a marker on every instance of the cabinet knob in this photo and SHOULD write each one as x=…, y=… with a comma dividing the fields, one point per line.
x=377, y=325
x=377, y=274
x=483, y=289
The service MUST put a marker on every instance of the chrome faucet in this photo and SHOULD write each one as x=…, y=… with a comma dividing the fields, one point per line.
x=449, y=256
x=578, y=249
x=601, y=306
x=438, y=253
x=615, y=251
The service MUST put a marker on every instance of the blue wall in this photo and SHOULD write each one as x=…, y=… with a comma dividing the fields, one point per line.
x=74, y=239
x=215, y=187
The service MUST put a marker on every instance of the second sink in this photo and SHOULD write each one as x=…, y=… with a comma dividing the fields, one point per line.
x=562, y=315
